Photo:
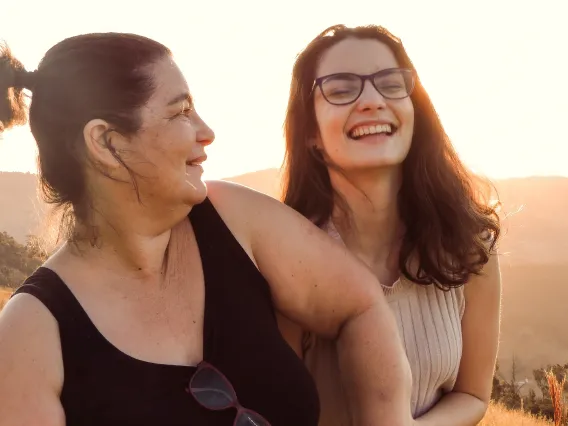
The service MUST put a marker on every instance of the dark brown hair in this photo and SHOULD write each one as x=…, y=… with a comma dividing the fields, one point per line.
x=81, y=78
x=451, y=229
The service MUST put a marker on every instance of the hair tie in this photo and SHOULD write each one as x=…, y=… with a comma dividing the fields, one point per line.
x=24, y=79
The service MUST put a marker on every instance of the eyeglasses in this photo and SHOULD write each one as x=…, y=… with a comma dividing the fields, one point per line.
x=345, y=88
x=213, y=391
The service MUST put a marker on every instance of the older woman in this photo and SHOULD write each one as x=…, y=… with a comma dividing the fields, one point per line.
x=159, y=308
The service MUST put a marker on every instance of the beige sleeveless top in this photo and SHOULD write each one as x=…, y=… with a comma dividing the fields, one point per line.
x=429, y=323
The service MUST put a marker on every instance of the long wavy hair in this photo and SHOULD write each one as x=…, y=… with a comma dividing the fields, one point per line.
x=451, y=226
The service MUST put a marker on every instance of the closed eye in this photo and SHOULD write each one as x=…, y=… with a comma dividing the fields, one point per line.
x=186, y=109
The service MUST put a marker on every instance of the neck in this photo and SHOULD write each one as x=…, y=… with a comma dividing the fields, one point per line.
x=129, y=240
x=371, y=227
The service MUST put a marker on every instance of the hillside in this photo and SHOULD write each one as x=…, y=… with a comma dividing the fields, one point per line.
x=534, y=261
x=20, y=210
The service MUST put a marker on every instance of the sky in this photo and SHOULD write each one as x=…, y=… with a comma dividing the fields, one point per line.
x=494, y=70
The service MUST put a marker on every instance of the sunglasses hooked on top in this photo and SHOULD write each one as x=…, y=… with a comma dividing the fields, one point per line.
x=213, y=391
x=345, y=88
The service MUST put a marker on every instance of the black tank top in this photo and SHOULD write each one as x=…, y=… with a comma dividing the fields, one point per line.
x=104, y=386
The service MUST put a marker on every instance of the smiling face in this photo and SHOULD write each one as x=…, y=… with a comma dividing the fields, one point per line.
x=373, y=132
x=168, y=150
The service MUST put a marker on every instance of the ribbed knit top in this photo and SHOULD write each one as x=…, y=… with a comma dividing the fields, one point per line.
x=429, y=323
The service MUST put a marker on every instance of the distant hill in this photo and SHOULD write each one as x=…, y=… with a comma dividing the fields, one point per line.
x=534, y=262
x=20, y=208
x=266, y=181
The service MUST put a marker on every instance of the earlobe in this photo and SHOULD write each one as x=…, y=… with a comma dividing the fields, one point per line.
x=98, y=144
x=315, y=144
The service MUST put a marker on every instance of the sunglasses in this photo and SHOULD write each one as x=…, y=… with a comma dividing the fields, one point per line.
x=213, y=391
x=345, y=88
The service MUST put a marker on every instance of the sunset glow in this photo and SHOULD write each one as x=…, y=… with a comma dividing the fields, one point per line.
x=493, y=70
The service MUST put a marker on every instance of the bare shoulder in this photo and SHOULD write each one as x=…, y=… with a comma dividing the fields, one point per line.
x=25, y=323
x=488, y=283
x=308, y=273
x=245, y=207
x=233, y=201
x=31, y=367
x=225, y=194
x=249, y=214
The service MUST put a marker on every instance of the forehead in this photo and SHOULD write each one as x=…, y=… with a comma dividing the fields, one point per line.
x=169, y=81
x=356, y=56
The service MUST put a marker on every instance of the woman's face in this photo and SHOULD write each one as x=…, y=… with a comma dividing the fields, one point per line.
x=372, y=132
x=168, y=150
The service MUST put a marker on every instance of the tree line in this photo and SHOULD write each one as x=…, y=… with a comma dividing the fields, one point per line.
x=18, y=261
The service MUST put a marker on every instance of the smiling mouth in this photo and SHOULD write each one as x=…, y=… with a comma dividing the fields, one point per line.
x=196, y=162
x=360, y=132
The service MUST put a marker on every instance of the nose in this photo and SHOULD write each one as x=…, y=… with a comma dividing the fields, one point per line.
x=370, y=98
x=205, y=135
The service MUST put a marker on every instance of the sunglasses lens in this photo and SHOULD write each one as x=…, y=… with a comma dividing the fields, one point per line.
x=250, y=418
x=211, y=390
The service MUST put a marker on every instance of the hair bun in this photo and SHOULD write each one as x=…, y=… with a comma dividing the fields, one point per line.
x=13, y=108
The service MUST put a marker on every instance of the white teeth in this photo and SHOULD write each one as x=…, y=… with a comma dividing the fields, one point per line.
x=366, y=130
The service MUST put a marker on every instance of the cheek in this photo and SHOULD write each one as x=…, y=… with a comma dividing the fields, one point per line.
x=407, y=114
x=182, y=135
x=173, y=141
x=155, y=152
x=331, y=123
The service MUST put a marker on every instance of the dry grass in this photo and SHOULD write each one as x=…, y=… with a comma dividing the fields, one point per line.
x=555, y=388
x=498, y=415
x=4, y=295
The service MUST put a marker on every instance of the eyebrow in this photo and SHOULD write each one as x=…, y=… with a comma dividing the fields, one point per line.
x=186, y=96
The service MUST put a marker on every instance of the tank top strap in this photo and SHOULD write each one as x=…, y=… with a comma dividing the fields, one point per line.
x=74, y=323
x=211, y=230
x=221, y=252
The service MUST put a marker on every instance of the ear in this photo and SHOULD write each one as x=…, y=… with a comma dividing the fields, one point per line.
x=98, y=135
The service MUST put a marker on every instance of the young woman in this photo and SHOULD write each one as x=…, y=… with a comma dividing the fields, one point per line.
x=367, y=160
x=159, y=309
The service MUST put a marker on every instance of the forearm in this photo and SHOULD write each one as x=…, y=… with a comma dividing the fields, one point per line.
x=454, y=409
x=375, y=371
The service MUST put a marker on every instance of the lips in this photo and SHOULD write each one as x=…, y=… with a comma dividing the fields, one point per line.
x=361, y=130
x=197, y=161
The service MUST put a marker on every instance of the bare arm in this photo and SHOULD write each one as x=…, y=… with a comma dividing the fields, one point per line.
x=467, y=403
x=323, y=288
x=31, y=369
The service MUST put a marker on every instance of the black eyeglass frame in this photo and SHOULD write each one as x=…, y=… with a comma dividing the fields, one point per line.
x=318, y=82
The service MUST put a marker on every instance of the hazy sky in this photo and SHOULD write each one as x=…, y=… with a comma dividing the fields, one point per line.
x=496, y=71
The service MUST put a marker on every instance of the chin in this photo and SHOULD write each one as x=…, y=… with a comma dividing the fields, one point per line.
x=376, y=164
x=195, y=192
